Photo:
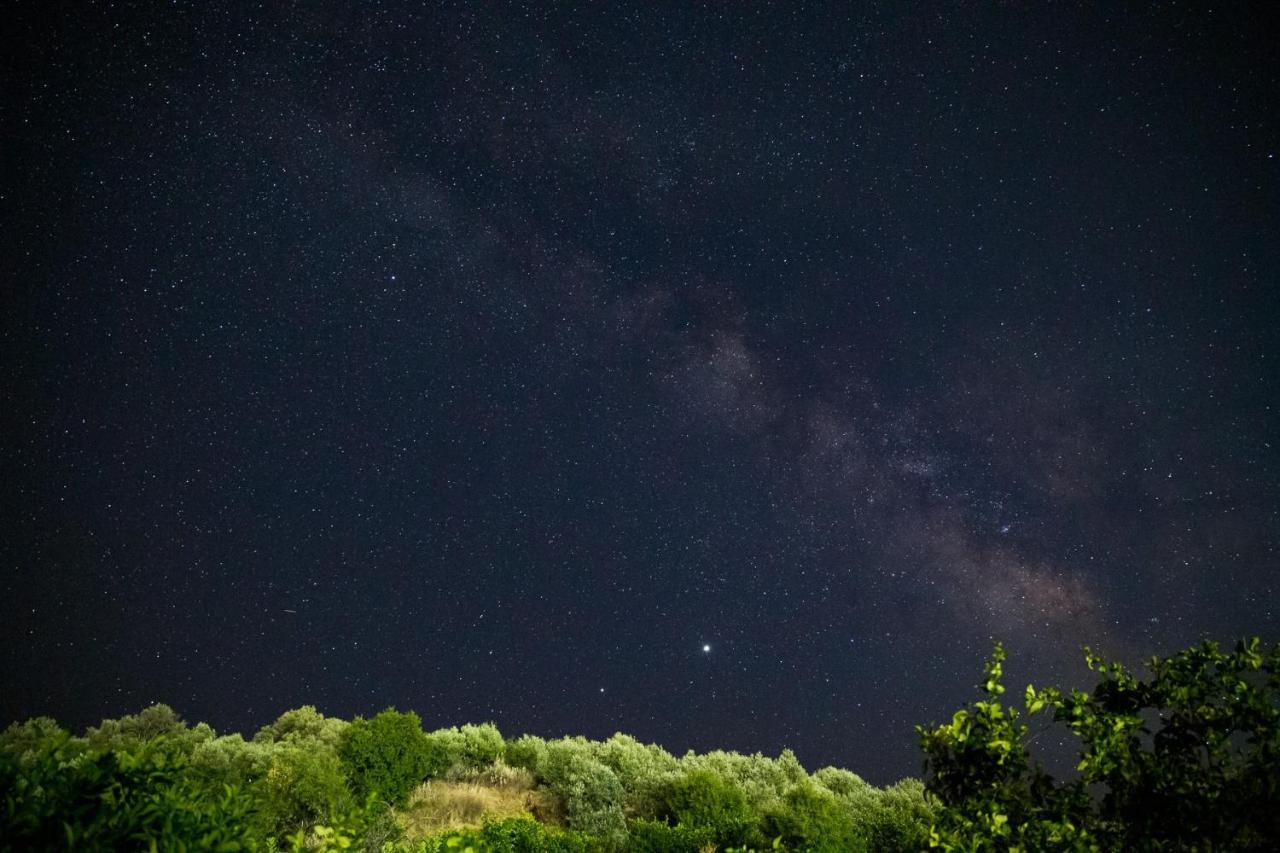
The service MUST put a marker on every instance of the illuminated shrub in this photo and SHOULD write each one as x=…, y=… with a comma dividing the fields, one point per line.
x=705, y=800
x=811, y=818
x=386, y=755
x=591, y=791
x=303, y=785
x=527, y=751
x=306, y=723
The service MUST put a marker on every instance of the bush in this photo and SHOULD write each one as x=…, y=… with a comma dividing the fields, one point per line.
x=230, y=760
x=591, y=791
x=385, y=756
x=704, y=800
x=763, y=780
x=901, y=818
x=306, y=723
x=304, y=785
x=60, y=796
x=653, y=836
x=482, y=745
x=527, y=751
x=513, y=835
x=841, y=782
x=644, y=771
x=133, y=730
x=812, y=818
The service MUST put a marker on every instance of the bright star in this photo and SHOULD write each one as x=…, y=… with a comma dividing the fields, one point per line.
x=706, y=647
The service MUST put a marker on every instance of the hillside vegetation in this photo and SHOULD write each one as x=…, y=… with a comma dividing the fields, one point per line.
x=311, y=782
x=1185, y=758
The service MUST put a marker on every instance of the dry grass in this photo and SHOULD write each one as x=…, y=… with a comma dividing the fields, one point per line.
x=468, y=799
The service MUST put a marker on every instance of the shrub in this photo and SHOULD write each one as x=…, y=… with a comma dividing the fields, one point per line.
x=591, y=792
x=60, y=797
x=306, y=723
x=812, y=818
x=132, y=730
x=230, y=760
x=704, y=800
x=482, y=744
x=763, y=780
x=841, y=782
x=386, y=756
x=304, y=785
x=30, y=741
x=901, y=819
x=653, y=836
x=527, y=751
x=643, y=770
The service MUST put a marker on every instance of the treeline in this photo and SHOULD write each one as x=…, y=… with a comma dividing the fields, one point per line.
x=310, y=782
x=1184, y=757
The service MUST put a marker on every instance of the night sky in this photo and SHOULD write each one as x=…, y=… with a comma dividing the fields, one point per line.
x=728, y=377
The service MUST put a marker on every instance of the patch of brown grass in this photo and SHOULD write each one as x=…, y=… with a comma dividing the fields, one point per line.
x=495, y=793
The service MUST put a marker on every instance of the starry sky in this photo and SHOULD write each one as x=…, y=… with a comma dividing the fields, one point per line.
x=728, y=376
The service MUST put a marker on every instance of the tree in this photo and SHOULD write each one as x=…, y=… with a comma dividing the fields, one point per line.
x=1188, y=759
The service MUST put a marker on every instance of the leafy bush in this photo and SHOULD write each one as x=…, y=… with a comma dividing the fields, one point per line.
x=304, y=785
x=654, y=836
x=704, y=800
x=527, y=751
x=306, y=723
x=482, y=745
x=132, y=730
x=840, y=782
x=387, y=755
x=763, y=780
x=61, y=796
x=1207, y=777
x=231, y=760
x=591, y=791
x=644, y=770
x=811, y=818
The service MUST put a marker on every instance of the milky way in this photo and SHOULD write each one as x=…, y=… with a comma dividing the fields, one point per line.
x=728, y=378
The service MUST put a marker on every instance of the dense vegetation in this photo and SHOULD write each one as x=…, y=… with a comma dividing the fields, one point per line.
x=310, y=782
x=1188, y=759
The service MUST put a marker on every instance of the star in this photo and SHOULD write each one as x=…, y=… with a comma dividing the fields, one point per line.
x=706, y=648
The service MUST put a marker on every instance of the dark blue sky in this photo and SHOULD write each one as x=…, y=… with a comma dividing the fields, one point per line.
x=489, y=362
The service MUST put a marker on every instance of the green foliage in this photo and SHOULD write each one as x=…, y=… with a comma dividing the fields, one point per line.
x=653, y=836
x=482, y=745
x=527, y=751
x=591, y=791
x=514, y=835
x=307, y=724
x=231, y=760
x=304, y=785
x=702, y=799
x=644, y=770
x=841, y=782
x=458, y=751
x=307, y=782
x=763, y=780
x=60, y=796
x=132, y=730
x=1188, y=759
x=387, y=755
x=811, y=818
